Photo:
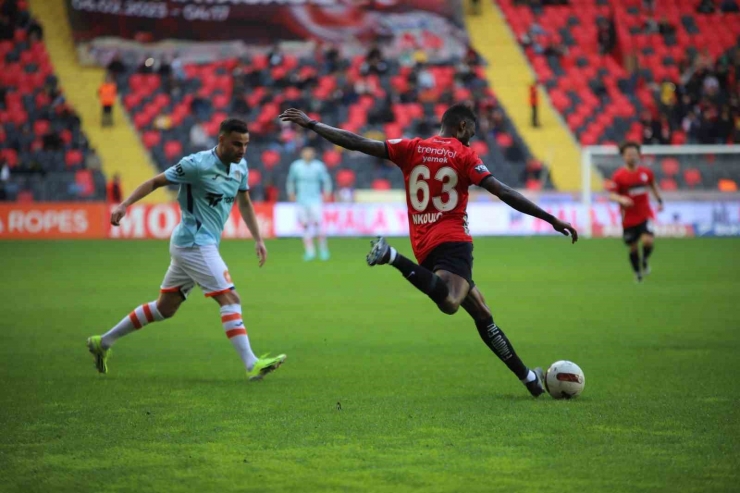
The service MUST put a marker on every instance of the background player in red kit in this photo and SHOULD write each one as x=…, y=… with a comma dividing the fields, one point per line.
x=629, y=188
x=438, y=172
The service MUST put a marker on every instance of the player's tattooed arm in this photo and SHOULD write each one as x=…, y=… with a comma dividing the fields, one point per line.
x=517, y=201
x=337, y=136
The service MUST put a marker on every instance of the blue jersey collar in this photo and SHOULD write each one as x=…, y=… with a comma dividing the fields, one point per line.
x=226, y=165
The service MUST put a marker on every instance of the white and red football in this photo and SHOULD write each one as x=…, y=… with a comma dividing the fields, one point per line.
x=564, y=380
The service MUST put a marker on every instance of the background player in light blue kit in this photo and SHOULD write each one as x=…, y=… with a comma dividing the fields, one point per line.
x=307, y=179
x=210, y=182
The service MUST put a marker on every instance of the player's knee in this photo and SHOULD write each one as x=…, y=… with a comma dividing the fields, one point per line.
x=167, y=310
x=449, y=306
x=233, y=298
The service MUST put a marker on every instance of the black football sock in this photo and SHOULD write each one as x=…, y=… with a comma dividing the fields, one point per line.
x=423, y=279
x=497, y=341
x=635, y=261
x=646, y=251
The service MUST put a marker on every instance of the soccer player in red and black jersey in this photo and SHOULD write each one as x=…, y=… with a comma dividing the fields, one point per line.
x=438, y=172
x=629, y=187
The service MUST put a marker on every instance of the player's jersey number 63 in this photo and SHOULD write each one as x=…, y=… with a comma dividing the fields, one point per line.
x=418, y=182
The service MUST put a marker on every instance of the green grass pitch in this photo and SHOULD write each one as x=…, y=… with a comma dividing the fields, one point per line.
x=424, y=405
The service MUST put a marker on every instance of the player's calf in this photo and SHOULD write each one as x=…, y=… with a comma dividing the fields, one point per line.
x=140, y=317
x=647, y=250
x=499, y=344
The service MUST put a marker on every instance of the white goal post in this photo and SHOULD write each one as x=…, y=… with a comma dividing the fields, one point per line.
x=597, y=162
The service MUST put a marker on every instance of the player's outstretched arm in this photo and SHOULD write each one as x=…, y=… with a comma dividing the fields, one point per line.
x=141, y=191
x=517, y=201
x=656, y=193
x=337, y=136
x=246, y=209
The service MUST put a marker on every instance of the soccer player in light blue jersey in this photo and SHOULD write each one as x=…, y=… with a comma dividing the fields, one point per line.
x=307, y=180
x=210, y=182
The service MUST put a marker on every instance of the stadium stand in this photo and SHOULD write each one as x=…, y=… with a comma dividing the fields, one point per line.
x=44, y=155
x=653, y=72
x=382, y=98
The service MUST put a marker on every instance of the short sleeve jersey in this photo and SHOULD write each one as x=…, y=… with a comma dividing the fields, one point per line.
x=308, y=181
x=437, y=172
x=634, y=184
x=208, y=189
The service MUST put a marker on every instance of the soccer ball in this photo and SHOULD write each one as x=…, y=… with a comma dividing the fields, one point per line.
x=564, y=380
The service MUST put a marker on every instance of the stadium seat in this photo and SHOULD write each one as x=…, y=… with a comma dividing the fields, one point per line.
x=504, y=140
x=10, y=156
x=85, y=182
x=727, y=185
x=255, y=178
x=73, y=158
x=668, y=184
x=381, y=184
x=172, y=150
x=393, y=131
x=41, y=127
x=670, y=166
x=332, y=158
x=480, y=147
x=692, y=177
x=151, y=138
x=270, y=159
x=345, y=178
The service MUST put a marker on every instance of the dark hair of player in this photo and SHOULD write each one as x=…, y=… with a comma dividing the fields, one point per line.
x=233, y=125
x=457, y=113
x=626, y=145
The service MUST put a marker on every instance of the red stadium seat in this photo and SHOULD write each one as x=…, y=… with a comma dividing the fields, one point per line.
x=270, y=159
x=172, y=149
x=381, y=184
x=212, y=127
x=346, y=178
x=668, y=184
x=73, y=157
x=66, y=136
x=10, y=156
x=692, y=177
x=670, y=166
x=42, y=100
x=132, y=100
x=255, y=178
x=85, y=181
x=332, y=158
x=142, y=119
x=480, y=147
x=151, y=138
x=504, y=140
x=41, y=127
x=393, y=131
